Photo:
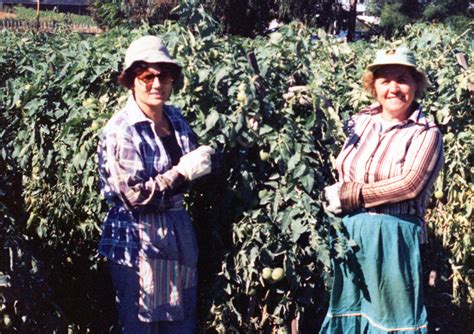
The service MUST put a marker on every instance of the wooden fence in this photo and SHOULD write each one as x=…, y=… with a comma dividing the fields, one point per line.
x=51, y=27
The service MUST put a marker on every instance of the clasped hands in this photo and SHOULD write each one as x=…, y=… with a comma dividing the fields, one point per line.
x=196, y=163
x=332, y=200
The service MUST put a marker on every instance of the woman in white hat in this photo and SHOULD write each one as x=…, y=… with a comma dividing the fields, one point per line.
x=147, y=155
x=386, y=168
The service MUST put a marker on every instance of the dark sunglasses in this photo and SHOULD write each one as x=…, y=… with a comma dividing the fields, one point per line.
x=147, y=79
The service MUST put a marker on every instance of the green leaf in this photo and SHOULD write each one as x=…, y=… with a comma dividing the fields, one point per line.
x=212, y=119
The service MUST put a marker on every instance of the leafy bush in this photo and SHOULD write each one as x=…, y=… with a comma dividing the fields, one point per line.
x=29, y=14
x=116, y=13
x=460, y=24
x=434, y=12
x=392, y=20
x=109, y=13
x=262, y=212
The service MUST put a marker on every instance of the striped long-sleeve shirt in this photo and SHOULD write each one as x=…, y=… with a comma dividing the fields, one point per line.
x=390, y=171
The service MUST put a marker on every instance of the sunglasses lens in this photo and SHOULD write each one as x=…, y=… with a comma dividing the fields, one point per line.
x=148, y=79
x=163, y=77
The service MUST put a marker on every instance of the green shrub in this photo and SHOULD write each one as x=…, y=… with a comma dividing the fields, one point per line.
x=392, y=20
x=29, y=14
x=116, y=13
x=435, y=12
x=460, y=24
x=264, y=209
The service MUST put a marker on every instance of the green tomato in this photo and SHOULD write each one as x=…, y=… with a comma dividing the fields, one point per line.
x=242, y=87
x=267, y=273
x=276, y=37
x=213, y=54
x=242, y=97
x=263, y=155
x=278, y=274
x=88, y=102
x=94, y=126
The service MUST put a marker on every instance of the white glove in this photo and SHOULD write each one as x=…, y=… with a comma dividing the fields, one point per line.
x=331, y=194
x=196, y=163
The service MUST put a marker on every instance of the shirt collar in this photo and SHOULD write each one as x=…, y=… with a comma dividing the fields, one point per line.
x=134, y=114
x=417, y=116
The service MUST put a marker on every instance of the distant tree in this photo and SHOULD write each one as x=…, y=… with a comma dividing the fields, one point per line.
x=320, y=13
x=107, y=13
x=351, y=24
x=392, y=19
x=408, y=8
x=112, y=13
x=252, y=17
x=439, y=10
x=395, y=14
x=241, y=17
x=435, y=11
x=374, y=7
x=426, y=9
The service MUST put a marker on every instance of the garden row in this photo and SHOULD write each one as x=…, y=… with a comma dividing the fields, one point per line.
x=261, y=216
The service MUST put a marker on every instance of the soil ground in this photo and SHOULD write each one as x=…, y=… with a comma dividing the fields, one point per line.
x=4, y=15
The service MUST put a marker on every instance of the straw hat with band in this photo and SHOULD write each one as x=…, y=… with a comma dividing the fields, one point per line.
x=149, y=49
x=399, y=56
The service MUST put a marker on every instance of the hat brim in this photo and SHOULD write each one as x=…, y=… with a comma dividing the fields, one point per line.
x=155, y=60
x=374, y=66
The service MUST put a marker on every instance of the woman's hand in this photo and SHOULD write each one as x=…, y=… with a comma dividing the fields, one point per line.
x=331, y=195
x=196, y=163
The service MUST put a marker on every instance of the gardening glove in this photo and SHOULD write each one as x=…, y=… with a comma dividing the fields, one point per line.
x=333, y=202
x=196, y=163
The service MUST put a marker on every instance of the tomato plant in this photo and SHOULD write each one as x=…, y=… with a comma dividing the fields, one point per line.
x=265, y=241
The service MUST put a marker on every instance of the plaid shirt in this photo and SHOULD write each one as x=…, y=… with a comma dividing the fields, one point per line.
x=136, y=177
x=390, y=171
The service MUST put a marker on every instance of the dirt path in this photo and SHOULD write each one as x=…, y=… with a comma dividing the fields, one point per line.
x=4, y=15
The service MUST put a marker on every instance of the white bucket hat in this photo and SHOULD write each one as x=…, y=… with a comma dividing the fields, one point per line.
x=149, y=49
x=399, y=56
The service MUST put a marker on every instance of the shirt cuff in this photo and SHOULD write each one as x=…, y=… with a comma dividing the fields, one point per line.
x=175, y=179
x=350, y=196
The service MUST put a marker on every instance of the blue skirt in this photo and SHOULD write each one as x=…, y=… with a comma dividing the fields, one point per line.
x=379, y=289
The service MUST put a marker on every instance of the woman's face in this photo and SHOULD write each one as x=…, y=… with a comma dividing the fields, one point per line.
x=395, y=90
x=152, y=87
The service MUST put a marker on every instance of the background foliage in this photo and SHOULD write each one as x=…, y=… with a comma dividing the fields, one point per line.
x=262, y=211
x=395, y=15
x=252, y=17
x=29, y=14
x=113, y=13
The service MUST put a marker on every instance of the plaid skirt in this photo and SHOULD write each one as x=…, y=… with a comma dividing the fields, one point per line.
x=379, y=289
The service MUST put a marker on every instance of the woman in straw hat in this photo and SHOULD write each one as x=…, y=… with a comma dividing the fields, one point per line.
x=387, y=168
x=147, y=155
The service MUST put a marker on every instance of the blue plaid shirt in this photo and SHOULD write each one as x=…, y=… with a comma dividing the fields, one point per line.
x=137, y=177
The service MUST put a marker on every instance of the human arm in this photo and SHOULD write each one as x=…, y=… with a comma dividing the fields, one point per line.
x=125, y=176
x=422, y=161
